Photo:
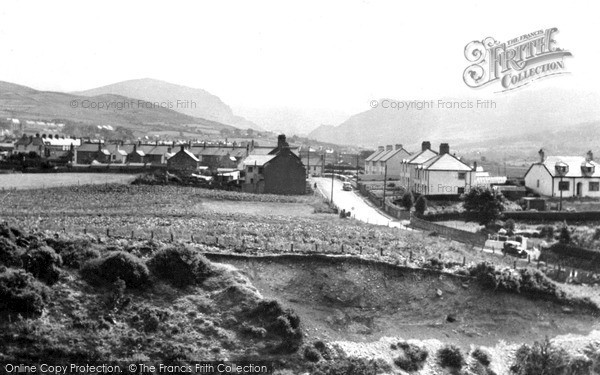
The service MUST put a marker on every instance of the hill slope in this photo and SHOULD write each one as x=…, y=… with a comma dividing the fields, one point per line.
x=530, y=115
x=200, y=102
x=26, y=103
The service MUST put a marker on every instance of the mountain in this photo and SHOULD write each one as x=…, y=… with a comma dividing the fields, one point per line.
x=528, y=116
x=142, y=117
x=190, y=101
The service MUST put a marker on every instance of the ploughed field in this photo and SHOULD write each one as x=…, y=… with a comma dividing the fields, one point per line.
x=21, y=181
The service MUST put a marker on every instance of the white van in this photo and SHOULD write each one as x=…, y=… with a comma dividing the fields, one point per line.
x=347, y=186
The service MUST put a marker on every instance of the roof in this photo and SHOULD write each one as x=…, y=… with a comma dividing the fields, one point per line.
x=258, y=160
x=392, y=153
x=422, y=157
x=188, y=153
x=574, y=163
x=445, y=162
x=376, y=153
x=89, y=147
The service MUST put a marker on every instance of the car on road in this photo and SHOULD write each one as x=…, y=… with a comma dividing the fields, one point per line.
x=347, y=186
x=513, y=248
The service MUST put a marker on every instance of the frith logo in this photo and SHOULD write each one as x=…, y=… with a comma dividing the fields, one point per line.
x=515, y=63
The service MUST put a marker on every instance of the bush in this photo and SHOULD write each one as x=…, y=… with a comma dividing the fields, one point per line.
x=21, y=293
x=451, y=356
x=484, y=204
x=279, y=322
x=181, y=266
x=311, y=354
x=407, y=201
x=74, y=253
x=117, y=265
x=348, y=366
x=421, y=205
x=541, y=358
x=565, y=235
x=481, y=356
x=547, y=231
x=510, y=226
x=412, y=358
x=10, y=254
x=43, y=263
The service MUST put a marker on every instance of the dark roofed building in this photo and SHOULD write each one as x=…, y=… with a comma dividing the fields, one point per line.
x=183, y=162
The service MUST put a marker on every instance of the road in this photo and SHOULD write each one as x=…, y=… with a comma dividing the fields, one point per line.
x=360, y=208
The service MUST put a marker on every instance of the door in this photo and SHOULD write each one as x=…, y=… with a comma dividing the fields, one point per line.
x=579, y=189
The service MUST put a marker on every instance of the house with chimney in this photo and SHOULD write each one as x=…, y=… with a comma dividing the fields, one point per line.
x=390, y=157
x=89, y=153
x=574, y=176
x=184, y=162
x=278, y=172
x=438, y=174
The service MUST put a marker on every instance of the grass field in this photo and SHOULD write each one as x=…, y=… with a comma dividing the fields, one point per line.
x=21, y=181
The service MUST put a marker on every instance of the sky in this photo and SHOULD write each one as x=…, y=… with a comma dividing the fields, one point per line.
x=326, y=59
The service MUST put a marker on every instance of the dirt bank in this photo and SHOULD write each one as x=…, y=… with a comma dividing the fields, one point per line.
x=344, y=299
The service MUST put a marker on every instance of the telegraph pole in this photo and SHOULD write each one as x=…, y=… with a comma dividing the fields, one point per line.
x=308, y=163
x=357, y=154
x=332, y=171
x=384, y=184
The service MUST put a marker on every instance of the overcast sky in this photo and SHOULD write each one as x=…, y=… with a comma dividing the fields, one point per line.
x=303, y=55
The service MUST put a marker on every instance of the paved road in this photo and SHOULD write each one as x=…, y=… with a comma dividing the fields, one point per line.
x=360, y=207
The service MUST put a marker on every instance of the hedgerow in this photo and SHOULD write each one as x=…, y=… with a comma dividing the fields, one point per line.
x=117, y=265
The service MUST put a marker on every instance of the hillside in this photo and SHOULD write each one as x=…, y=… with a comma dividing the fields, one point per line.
x=29, y=104
x=529, y=117
x=206, y=106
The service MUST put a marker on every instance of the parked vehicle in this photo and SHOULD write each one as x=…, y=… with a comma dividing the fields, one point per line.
x=514, y=248
x=347, y=186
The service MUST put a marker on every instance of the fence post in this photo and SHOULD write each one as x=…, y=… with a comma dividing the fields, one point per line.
x=464, y=261
x=410, y=256
x=440, y=256
x=360, y=249
x=107, y=232
x=85, y=230
x=342, y=248
x=381, y=251
x=151, y=234
x=171, y=236
x=292, y=247
x=316, y=247
x=515, y=265
x=192, y=238
x=538, y=263
x=132, y=235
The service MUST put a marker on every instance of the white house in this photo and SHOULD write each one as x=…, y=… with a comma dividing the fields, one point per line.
x=575, y=176
x=408, y=167
x=390, y=156
x=369, y=161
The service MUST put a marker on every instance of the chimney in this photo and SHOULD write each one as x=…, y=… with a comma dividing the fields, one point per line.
x=44, y=136
x=37, y=135
x=542, y=155
x=425, y=146
x=134, y=148
x=444, y=148
x=139, y=143
x=99, y=145
x=475, y=166
x=398, y=146
x=281, y=142
x=389, y=148
x=182, y=147
x=590, y=155
x=169, y=150
x=381, y=148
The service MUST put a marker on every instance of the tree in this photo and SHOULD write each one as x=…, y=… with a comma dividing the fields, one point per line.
x=407, y=200
x=510, y=226
x=484, y=204
x=421, y=205
x=565, y=235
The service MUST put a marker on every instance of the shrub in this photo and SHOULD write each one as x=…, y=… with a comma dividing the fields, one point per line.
x=10, y=254
x=510, y=226
x=280, y=322
x=547, y=231
x=481, y=356
x=565, y=235
x=412, y=358
x=21, y=294
x=181, y=266
x=484, y=204
x=541, y=358
x=349, y=366
x=117, y=265
x=43, y=263
x=421, y=205
x=73, y=253
x=451, y=356
x=311, y=354
x=407, y=201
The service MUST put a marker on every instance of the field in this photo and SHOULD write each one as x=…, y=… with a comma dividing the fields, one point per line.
x=21, y=181
x=351, y=284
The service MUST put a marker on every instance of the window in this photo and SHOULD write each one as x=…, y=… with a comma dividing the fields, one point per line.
x=538, y=183
x=461, y=190
x=260, y=170
x=249, y=169
x=594, y=186
x=462, y=175
x=563, y=185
